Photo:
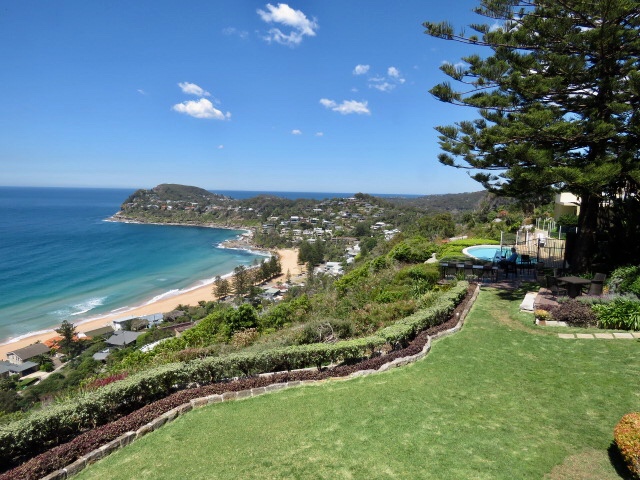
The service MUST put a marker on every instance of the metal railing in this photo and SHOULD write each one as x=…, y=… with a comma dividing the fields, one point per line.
x=538, y=246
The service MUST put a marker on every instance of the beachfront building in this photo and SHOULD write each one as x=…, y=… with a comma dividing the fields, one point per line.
x=97, y=332
x=21, y=355
x=137, y=323
x=25, y=368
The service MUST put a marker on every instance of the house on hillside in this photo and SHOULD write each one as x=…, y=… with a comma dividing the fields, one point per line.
x=566, y=204
x=25, y=368
x=22, y=355
x=137, y=323
x=122, y=338
x=102, y=355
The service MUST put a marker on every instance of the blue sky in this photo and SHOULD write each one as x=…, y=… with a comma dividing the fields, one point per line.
x=326, y=95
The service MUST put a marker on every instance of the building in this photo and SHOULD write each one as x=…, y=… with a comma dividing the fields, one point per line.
x=22, y=355
x=122, y=338
x=566, y=204
x=8, y=368
x=97, y=332
x=137, y=323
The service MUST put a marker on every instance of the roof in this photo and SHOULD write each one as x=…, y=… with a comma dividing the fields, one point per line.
x=15, y=368
x=101, y=355
x=97, y=332
x=30, y=351
x=123, y=337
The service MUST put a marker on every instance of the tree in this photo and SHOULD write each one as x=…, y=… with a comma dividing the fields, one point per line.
x=241, y=282
x=67, y=343
x=275, y=266
x=221, y=287
x=558, y=101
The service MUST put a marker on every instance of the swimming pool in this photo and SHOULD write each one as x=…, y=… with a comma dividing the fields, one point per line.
x=485, y=252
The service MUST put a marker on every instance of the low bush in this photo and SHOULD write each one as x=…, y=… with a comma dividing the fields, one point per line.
x=627, y=437
x=575, y=314
x=413, y=250
x=625, y=280
x=621, y=313
x=542, y=315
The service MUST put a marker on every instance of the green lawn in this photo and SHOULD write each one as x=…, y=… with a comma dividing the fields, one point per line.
x=500, y=399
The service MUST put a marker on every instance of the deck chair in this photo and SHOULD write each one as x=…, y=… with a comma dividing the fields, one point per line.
x=597, y=284
x=525, y=262
x=555, y=288
x=510, y=267
x=595, y=288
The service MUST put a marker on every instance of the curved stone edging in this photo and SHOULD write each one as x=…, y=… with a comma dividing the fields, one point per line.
x=127, y=438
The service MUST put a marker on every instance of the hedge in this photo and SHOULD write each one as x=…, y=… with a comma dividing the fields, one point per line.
x=48, y=427
x=627, y=437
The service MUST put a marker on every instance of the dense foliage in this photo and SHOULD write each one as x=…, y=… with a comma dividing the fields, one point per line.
x=621, y=314
x=625, y=280
x=575, y=314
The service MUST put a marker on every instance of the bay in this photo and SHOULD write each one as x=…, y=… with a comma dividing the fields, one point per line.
x=60, y=259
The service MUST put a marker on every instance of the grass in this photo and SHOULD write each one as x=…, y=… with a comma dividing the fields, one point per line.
x=500, y=399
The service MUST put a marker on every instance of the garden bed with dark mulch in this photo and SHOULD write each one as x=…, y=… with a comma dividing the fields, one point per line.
x=64, y=454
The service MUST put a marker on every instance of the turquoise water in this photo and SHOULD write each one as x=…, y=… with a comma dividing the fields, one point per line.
x=484, y=252
x=60, y=259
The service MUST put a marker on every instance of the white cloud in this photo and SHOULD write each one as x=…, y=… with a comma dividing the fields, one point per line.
x=388, y=82
x=201, y=108
x=141, y=92
x=286, y=16
x=193, y=89
x=382, y=86
x=232, y=31
x=361, y=69
x=346, y=107
x=296, y=132
x=220, y=147
x=319, y=134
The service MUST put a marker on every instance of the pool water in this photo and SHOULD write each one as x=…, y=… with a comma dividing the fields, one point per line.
x=485, y=252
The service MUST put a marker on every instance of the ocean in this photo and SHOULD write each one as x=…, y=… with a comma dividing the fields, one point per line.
x=60, y=259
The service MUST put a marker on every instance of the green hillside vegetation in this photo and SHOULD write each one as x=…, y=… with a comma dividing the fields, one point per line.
x=174, y=192
x=455, y=202
x=501, y=399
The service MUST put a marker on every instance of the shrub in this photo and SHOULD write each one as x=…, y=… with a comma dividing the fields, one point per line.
x=413, y=250
x=627, y=437
x=575, y=314
x=621, y=313
x=625, y=280
x=542, y=315
x=244, y=338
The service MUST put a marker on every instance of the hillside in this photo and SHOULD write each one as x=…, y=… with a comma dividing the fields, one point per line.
x=454, y=202
x=171, y=192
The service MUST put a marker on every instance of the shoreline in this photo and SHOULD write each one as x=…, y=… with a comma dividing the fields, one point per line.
x=159, y=304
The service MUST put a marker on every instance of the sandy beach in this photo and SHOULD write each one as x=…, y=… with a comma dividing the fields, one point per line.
x=288, y=260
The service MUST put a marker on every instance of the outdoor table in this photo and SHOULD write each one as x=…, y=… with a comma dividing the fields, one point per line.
x=574, y=285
